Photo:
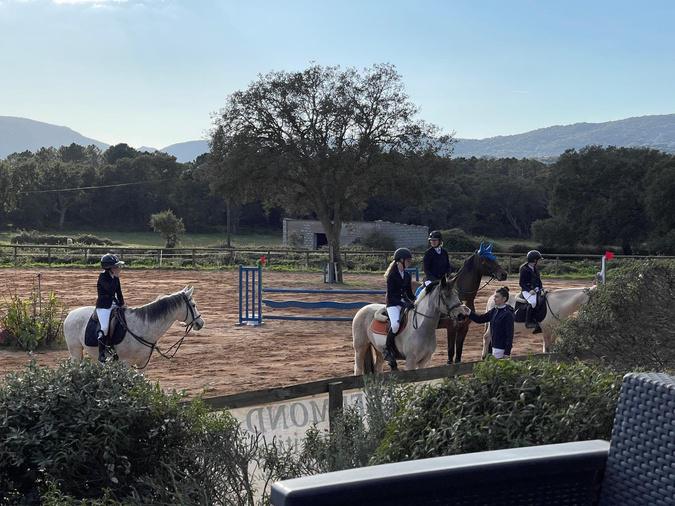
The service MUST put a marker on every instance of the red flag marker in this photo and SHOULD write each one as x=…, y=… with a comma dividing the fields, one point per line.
x=609, y=255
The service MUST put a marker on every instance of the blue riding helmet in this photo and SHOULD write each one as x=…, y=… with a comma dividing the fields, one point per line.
x=109, y=260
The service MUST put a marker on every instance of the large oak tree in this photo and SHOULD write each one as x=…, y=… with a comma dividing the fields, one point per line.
x=313, y=141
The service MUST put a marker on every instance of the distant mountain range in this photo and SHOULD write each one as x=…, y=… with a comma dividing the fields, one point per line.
x=22, y=134
x=656, y=131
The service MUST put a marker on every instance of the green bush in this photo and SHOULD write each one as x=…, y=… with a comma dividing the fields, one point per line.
x=35, y=237
x=103, y=433
x=456, y=239
x=32, y=323
x=378, y=241
x=92, y=240
x=356, y=434
x=626, y=323
x=505, y=404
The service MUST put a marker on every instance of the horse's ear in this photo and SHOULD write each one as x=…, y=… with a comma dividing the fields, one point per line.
x=189, y=290
x=489, y=248
x=444, y=281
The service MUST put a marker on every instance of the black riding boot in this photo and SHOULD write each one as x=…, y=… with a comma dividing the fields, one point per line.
x=530, y=322
x=101, y=353
x=101, y=347
x=389, y=353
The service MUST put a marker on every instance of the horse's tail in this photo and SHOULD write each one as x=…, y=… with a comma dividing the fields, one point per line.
x=368, y=362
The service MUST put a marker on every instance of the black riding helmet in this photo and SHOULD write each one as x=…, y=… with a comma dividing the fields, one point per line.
x=533, y=256
x=436, y=234
x=402, y=254
x=109, y=260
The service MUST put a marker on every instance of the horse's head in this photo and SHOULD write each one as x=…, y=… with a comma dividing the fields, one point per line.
x=192, y=316
x=449, y=298
x=487, y=263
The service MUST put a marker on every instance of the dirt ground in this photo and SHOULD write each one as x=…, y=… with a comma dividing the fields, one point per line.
x=224, y=358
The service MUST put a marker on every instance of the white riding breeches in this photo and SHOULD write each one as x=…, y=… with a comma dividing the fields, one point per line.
x=394, y=313
x=104, y=318
x=530, y=297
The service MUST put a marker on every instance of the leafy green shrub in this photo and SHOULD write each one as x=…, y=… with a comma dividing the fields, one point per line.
x=90, y=432
x=32, y=323
x=625, y=323
x=356, y=433
x=456, y=239
x=505, y=404
x=92, y=240
x=35, y=237
x=378, y=241
x=169, y=226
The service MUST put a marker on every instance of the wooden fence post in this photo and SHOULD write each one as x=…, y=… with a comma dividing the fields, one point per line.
x=49, y=256
x=334, y=403
x=193, y=259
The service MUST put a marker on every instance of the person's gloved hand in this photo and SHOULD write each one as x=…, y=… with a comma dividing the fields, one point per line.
x=408, y=304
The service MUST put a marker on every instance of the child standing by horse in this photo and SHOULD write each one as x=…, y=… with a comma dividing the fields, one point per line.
x=399, y=295
x=109, y=295
x=501, y=320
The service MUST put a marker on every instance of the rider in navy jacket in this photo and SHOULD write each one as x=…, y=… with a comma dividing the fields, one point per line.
x=530, y=279
x=109, y=290
x=399, y=289
x=436, y=259
x=501, y=320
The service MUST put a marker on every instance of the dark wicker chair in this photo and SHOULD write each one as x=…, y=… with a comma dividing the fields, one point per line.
x=636, y=468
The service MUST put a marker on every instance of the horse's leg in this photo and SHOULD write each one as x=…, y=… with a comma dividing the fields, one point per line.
x=548, y=341
x=379, y=360
x=487, y=336
x=452, y=333
x=459, y=341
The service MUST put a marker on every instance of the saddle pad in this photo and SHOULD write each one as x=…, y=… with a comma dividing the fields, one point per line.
x=94, y=326
x=380, y=327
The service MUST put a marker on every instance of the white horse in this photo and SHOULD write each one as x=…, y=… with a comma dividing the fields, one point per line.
x=561, y=304
x=417, y=341
x=146, y=324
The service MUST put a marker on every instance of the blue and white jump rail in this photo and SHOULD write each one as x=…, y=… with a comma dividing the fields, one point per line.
x=251, y=301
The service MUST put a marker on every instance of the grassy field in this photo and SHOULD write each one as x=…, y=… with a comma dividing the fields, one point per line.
x=153, y=239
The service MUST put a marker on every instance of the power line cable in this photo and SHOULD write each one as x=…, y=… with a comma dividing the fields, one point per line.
x=95, y=187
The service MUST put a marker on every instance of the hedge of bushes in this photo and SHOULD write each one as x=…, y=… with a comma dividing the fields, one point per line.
x=504, y=404
x=627, y=323
x=107, y=436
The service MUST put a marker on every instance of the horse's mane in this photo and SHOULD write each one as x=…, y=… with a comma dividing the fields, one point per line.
x=427, y=290
x=160, y=307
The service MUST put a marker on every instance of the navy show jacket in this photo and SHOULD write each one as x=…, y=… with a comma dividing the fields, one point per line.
x=109, y=290
x=398, y=288
x=436, y=265
x=529, y=279
x=501, y=322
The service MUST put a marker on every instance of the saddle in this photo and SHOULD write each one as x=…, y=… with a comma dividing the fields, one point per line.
x=539, y=311
x=117, y=328
x=381, y=325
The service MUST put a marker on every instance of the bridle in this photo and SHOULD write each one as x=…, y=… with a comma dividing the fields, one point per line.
x=153, y=346
x=442, y=302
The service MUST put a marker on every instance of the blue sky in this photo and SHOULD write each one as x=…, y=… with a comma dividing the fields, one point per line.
x=151, y=72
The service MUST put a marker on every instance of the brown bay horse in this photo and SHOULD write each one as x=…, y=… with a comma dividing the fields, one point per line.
x=468, y=283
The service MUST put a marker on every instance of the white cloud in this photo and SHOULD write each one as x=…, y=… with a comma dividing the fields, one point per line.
x=88, y=2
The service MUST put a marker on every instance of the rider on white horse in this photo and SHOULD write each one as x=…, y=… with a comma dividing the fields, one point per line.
x=531, y=286
x=109, y=296
x=399, y=295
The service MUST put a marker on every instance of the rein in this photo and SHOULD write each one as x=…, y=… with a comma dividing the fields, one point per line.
x=176, y=345
x=440, y=298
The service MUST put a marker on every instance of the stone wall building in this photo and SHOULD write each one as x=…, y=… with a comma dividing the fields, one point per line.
x=309, y=234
